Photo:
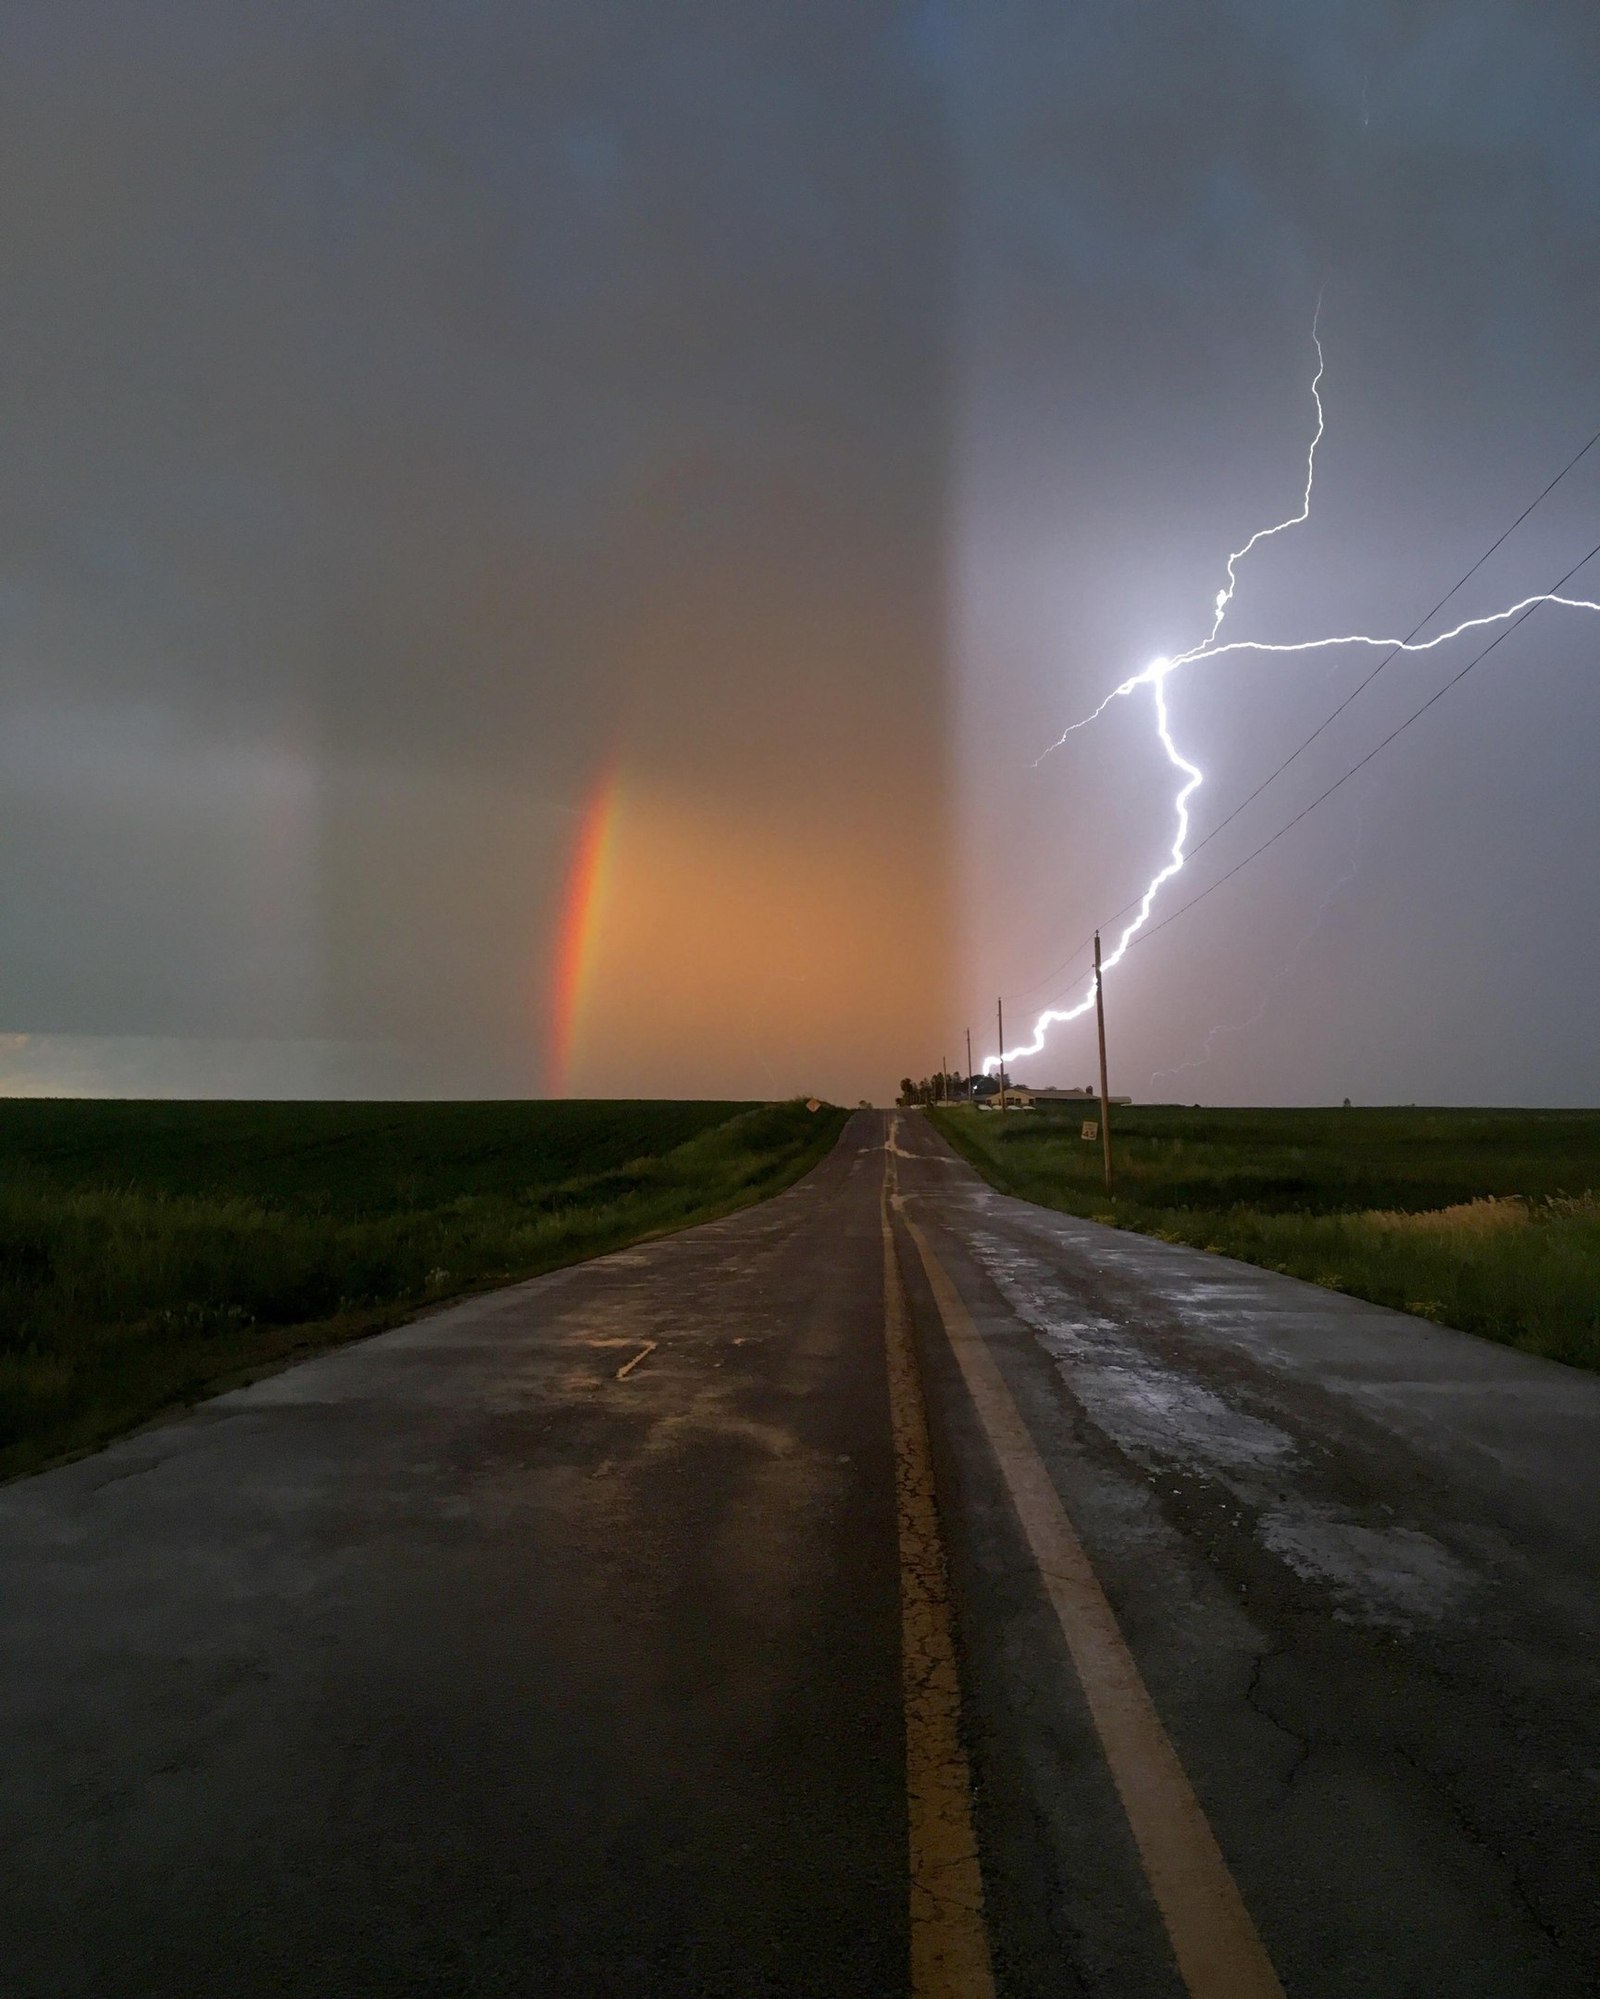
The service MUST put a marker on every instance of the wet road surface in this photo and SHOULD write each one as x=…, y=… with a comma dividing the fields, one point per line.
x=513, y=1653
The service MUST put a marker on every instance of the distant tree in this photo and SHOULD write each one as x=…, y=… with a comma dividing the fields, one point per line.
x=908, y=1091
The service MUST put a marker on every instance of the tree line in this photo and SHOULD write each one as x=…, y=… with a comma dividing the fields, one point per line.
x=942, y=1088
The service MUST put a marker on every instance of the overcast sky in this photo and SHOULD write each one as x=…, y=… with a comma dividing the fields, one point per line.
x=781, y=420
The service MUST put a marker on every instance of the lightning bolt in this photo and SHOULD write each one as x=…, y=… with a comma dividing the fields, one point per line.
x=1158, y=669
x=1156, y=675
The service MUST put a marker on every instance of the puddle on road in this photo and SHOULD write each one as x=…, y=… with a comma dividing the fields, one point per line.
x=1148, y=1410
x=1159, y=1417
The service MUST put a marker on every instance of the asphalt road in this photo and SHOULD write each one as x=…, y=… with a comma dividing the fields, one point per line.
x=585, y=1638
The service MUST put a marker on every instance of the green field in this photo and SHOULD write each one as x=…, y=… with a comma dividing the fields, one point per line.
x=150, y=1252
x=1485, y=1220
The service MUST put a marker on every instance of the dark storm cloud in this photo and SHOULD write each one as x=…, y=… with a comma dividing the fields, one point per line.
x=410, y=412
x=410, y=408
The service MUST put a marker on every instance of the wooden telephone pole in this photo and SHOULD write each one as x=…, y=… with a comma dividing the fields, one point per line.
x=1000, y=1021
x=970, y=1098
x=1105, y=1089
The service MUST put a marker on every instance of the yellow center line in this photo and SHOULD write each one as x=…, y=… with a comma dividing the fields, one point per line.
x=949, y=1945
x=1218, y=1948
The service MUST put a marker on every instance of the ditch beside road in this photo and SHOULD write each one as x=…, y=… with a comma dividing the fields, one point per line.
x=553, y=1643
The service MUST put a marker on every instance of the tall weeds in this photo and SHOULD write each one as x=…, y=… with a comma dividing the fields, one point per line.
x=116, y=1300
x=1479, y=1220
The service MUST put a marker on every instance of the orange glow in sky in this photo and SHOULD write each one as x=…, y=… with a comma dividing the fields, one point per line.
x=581, y=914
x=708, y=953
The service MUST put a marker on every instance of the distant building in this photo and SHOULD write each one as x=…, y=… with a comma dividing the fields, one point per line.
x=986, y=1091
x=1022, y=1094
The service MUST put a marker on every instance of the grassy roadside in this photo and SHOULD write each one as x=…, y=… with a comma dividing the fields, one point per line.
x=1484, y=1220
x=152, y=1253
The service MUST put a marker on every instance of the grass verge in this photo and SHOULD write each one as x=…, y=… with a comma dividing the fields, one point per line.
x=1483, y=1220
x=153, y=1253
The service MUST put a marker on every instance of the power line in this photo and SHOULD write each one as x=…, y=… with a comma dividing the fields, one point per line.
x=1438, y=695
x=1051, y=978
x=1067, y=963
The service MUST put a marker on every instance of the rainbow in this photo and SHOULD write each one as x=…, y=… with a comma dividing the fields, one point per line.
x=582, y=903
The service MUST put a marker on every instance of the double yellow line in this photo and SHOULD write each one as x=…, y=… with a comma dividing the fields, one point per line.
x=1218, y=1949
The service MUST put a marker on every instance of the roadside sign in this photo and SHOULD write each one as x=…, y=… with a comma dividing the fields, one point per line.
x=1091, y=1130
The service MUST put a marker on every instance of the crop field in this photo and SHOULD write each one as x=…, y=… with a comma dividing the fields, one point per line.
x=1486, y=1220
x=151, y=1252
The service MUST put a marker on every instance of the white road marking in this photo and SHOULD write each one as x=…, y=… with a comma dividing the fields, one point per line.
x=1219, y=1951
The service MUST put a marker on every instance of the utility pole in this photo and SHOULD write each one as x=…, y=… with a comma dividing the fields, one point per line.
x=1000, y=1022
x=1105, y=1089
x=944, y=1079
x=970, y=1098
